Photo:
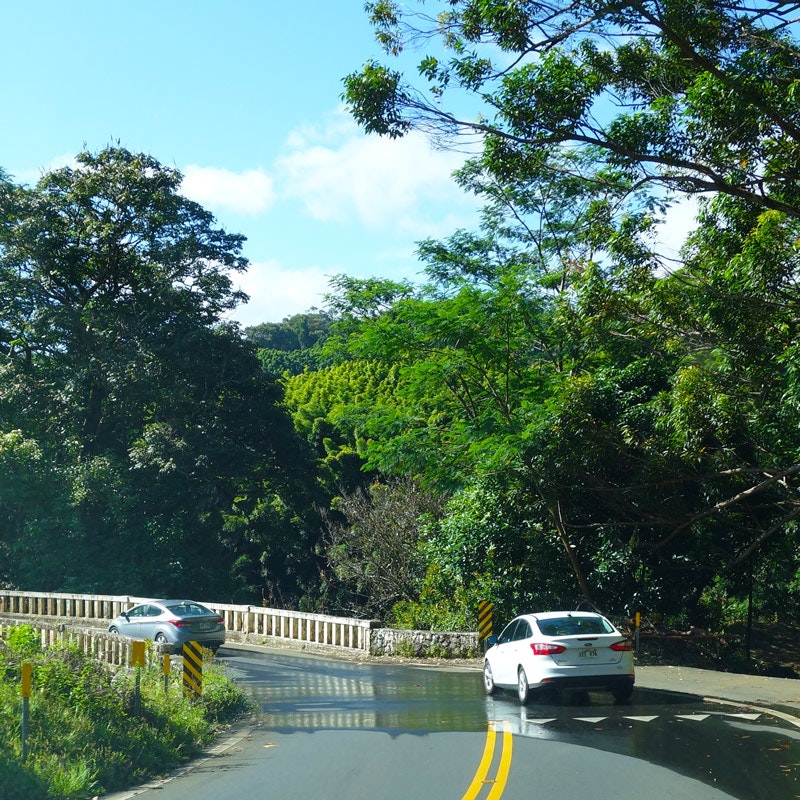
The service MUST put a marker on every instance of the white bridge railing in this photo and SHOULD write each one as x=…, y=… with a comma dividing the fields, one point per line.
x=242, y=622
x=102, y=645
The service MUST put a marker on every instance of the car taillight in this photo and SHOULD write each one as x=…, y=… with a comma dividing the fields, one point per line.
x=622, y=646
x=179, y=623
x=546, y=648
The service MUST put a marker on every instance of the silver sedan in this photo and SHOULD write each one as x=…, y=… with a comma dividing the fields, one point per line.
x=171, y=623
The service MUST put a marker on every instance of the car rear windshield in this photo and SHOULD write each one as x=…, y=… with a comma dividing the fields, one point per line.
x=189, y=609
x=573, y=626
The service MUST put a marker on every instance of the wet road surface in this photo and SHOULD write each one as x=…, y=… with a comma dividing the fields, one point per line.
x=339, y=729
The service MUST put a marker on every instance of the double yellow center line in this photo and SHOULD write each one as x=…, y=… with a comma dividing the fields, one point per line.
x=481, y=779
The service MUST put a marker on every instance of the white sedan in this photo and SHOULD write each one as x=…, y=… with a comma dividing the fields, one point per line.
x=559, y=650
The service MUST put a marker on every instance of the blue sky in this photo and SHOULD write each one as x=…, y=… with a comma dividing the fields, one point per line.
x=242, y=96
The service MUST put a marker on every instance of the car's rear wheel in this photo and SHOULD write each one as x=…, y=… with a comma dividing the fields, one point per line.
x=622, y=691
x=488, y=679
x=523, y=689
x=160, y=638
x=114, y=631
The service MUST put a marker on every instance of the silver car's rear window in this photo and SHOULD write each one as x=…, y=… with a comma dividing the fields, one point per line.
x=188, y=609
x=573, y=626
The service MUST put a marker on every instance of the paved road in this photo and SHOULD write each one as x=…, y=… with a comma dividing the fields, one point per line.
x=332, y=729
x=778, y=693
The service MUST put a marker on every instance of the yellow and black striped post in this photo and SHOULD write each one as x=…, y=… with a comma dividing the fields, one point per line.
x=193, y=669
x=485, y=623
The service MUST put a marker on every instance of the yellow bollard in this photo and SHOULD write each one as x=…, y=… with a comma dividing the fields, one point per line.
x=27, y=680
x=165, y=667
x=137, y=662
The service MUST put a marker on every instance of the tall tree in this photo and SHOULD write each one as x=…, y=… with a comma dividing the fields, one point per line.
x=116, y=364
x=672, y=445
x=484, y=352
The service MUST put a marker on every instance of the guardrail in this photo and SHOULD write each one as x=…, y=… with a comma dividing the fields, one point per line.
x=244, y=622
x=103, y=646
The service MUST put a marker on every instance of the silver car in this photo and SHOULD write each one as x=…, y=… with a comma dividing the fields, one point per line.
x=171, y=623
x=559, y=650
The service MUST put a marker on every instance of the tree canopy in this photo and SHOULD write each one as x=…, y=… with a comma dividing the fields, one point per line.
x=694, y=98
x=644, y=404
x=160, y=432
x=561, y=412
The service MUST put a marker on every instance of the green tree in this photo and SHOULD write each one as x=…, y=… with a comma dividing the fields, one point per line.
x=696, y=98
x=489, y=544
x=327, y=406
x=96, y=260
x=298, y=332
x=486, y=351
x=666, y=455
x=676, y=453
x=293, y=345
x=733, y=407
x=154, y=414
x=34, y=507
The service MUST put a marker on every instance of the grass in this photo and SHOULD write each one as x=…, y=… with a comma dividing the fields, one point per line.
x=84, y=737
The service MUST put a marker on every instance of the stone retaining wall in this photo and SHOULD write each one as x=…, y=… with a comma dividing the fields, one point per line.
x=423, y=644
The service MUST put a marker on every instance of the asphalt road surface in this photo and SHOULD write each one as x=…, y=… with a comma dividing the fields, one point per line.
x=351, y=731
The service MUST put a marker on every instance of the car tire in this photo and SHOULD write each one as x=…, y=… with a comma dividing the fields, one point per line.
x=488, y=679
x=523, y=689
x=622, y=692
x=113, y=631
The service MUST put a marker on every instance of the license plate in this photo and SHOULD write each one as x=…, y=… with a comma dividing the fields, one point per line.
x=590, y=652
x=204, y=626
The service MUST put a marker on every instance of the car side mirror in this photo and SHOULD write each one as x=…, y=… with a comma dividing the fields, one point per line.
x=491, y=641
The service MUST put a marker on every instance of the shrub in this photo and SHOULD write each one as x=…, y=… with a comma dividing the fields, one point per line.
x=84, y=739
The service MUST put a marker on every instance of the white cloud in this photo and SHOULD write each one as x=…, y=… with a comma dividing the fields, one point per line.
x=404, y=185
x=679, y=221
x=277, y=292
x=63, y=160
x=249, y=192
x=32, y=176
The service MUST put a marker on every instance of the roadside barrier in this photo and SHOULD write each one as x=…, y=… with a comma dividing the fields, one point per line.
x=101, y=645
x=241, y=622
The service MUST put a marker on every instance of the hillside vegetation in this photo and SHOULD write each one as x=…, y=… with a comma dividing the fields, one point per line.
x=85, y=738
x=566, y=409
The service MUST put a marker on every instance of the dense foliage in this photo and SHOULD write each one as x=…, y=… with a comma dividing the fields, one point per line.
x=293, y=345
x=642, y=411
x=83, y=728
x=142, y=448
x=563, y=412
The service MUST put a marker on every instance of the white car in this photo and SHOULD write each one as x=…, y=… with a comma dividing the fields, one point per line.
x=559, y=650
